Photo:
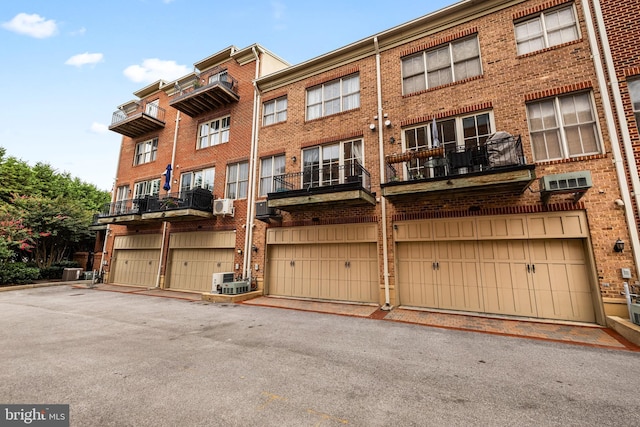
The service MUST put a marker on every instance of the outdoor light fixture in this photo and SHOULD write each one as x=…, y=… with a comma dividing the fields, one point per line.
x=618, y=246
x=254, y=248
x=372, y=126
x=293, y=159
x=387, y=123
x=240, y=251
x=392, y=140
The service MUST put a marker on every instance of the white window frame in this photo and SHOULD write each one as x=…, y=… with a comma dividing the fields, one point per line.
x=237, y=180
x=524, y=42
x=146, y=152
x=274, y=111
x=151, y=109
x=560, y=128
x=324, y=100
x=120, y=205
x=218, y=77
x=146, y=188
x=322, y=171
x=634, y=95
x=213, y=132
x=271, y=167
x=203, y=178
x=423, y=68
x=460, y=142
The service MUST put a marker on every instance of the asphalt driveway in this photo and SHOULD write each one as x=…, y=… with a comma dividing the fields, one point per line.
x=134, y=360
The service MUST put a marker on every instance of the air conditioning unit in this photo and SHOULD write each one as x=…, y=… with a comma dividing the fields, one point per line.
x=634, y=310
x=223, y=207
x=262, y=210
x=566, y=182
x=218, y=279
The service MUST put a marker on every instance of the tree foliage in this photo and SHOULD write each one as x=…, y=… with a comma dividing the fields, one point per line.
x=44, y=214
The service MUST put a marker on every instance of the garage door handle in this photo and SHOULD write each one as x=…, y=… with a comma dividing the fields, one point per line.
x=533, y=268
x=528, y=268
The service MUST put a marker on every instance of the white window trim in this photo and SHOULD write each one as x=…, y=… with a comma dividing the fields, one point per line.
x=276, y=111
x=545, y=34
x=564, y=143
x=153, y=152
x=221, y=131
x=341, y=159
x=192, y=175
x=323, y=101
x=146, y=188
x=272, y=174
x=236, y=180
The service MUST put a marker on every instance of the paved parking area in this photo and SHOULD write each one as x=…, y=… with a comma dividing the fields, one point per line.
x=130, y=359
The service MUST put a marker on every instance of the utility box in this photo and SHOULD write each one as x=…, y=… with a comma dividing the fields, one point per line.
x=235, y=288
x=69, y=274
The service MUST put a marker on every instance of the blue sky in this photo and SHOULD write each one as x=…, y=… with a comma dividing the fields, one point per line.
x=67, y=65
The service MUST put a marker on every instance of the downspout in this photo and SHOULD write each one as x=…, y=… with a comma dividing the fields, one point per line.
x=108, y=230
x=383, y=200
x=253, y=166
x=164, y=223
x=615, y=143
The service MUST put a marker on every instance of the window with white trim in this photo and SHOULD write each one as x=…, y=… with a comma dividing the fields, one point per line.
x=237, y=180
x=197, y=179
x=120, y=206
x=270, y=168
x=146, y=188
x=274, y=111
x=634, y=93
x=563, y=127
x=333, y=97
x=146, y=151
x=547, y=29
x=331, y=164
x=214, y=132
x=455, y=134
x=218, y=77
x=445, y=64
x=151, y=109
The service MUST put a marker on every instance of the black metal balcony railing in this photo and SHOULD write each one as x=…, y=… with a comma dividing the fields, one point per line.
x=494, y=155
x=143, y=109
x=324, y=177
x=199, y=199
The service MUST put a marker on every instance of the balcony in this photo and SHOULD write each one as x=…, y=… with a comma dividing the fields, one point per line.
x=138, y=120
x=188, y=205
x=497, y=166
x=347, y=185
x=220, y=90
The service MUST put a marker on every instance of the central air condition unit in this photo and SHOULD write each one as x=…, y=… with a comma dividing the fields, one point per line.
x=634, y=310
x=572, y=182
x=218, y=279
x=223, y=207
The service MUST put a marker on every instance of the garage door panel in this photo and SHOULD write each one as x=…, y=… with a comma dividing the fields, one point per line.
x=192, y=269
x=138, y=267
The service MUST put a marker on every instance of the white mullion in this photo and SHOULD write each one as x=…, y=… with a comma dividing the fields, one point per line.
x=544, y=30
x=426, y=71
x=560, y=121
x=452, y=64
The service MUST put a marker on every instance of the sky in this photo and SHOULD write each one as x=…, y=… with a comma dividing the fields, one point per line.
x=66, y=65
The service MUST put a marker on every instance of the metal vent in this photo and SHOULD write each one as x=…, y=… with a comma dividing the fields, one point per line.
x=634, y=310
x=572, y=181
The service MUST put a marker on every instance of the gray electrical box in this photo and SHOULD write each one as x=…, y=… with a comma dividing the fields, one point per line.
x=626, y=273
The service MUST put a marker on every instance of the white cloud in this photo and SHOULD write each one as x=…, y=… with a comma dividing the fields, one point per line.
x=32, y=25
x=85, y=59
x=98, y=128
x=155, y=69
x=78, y=32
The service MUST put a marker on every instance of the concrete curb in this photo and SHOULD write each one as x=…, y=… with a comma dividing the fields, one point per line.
x=626, y=328
x=41, y=285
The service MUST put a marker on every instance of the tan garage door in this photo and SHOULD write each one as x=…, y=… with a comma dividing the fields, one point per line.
x=137, y=267
x=343, y=272
x=191, y=269
x=536, y=277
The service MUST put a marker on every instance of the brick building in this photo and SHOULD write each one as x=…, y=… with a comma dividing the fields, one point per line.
x=461, y=161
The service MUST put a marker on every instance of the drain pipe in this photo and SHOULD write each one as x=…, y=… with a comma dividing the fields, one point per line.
x=253, y=170
x=164, y=223
x=383, y=200
x=615, y=143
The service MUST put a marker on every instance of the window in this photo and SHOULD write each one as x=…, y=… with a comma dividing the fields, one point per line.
x=547, y=29
x=237, y=180
x=218, y=77
x=198, y=179
x=146, y=152
x=454, y=134
x=120, y=206
x=333, y=97
x=270, y=168
x=274, y=111
x=446, y=64
x=634, y=93
x=214, y=132
x=563, y=127
x=331, y=164
x=146, y=188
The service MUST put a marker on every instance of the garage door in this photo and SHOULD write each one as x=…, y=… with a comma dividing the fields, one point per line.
x=195, y=256
x=135, y=260
x=534, y=277
x=324, y=263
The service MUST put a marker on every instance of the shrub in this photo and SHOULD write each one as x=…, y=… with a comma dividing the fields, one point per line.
x=56, y=269
x=17, y=273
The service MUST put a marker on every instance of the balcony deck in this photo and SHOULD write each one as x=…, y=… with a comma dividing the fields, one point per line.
x=311, y=189
x=143, y=119
x=195, y=100
x=497, y=166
